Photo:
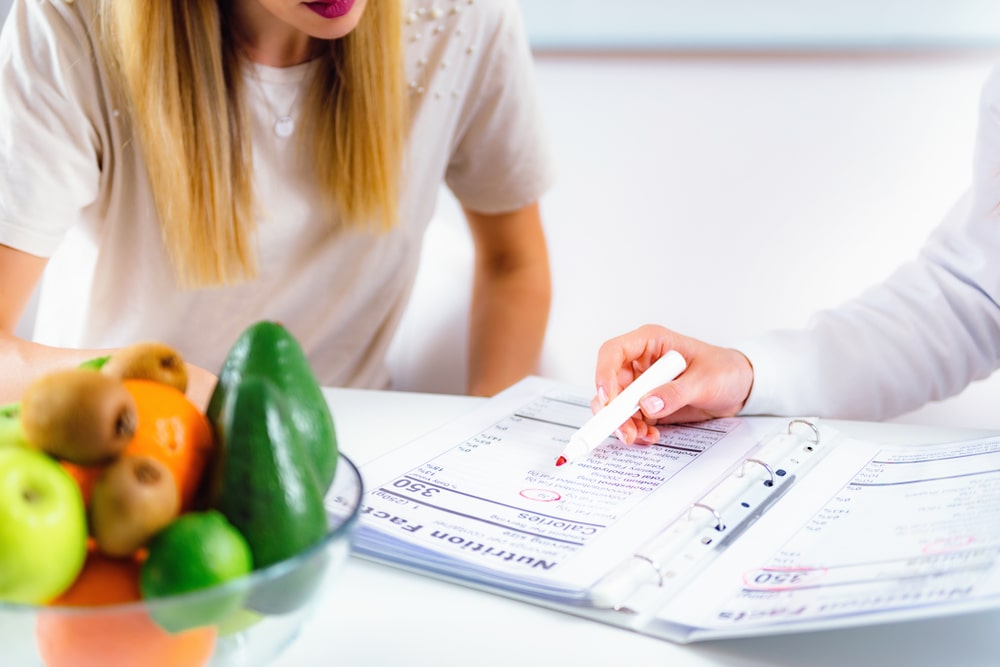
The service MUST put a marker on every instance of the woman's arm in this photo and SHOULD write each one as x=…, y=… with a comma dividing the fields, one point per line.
x=21, y=361
x=511, y=294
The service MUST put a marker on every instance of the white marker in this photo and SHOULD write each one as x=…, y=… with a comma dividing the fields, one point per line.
x=622, y=407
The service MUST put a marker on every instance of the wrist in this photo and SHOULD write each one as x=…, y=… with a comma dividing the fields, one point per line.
x=744, y=379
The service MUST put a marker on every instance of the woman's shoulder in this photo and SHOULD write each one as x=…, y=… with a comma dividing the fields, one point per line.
x=463, y=14
x=66, y=24
x=78, y=14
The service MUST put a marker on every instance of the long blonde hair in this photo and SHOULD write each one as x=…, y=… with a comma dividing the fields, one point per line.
x=179, y=70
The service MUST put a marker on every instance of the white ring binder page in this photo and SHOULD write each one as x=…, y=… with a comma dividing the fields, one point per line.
x=877, y=533
x=725, y=528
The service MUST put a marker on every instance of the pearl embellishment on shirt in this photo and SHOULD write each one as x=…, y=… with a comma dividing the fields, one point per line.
x=441, y=20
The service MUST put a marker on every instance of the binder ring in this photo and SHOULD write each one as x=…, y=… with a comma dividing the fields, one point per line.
x=719, y=526
x=807, y=423
x=770, y=472
x=656, y=568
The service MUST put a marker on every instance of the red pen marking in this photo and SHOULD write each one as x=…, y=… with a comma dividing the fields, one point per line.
x=561, y=460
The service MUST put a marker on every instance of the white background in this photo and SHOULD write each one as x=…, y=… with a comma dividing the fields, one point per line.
x=720, y=195
x=761, y=23
x=808, y=24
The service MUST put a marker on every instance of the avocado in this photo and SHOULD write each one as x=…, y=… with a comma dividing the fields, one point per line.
x=264, y=480
x=267, y=349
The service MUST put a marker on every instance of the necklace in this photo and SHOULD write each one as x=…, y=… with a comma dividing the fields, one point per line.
x=284, y=123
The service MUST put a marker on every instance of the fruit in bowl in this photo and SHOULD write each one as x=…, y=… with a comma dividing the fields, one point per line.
x=103, y=621
x=205, y=539
x=43, y=526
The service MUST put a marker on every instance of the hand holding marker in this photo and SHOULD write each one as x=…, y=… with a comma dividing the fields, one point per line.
x=622, y=407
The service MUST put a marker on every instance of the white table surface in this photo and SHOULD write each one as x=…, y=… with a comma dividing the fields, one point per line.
x=381, y=616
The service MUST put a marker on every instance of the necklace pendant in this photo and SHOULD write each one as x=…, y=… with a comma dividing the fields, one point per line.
x=284, y=126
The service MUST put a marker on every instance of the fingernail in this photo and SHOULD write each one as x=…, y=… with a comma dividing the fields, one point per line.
x=652, y=404
x=620, y=435
x=602, y=394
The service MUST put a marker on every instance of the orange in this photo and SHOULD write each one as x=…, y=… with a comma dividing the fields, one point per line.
x=170, y=429
x=103, y=580
x=110, y=636
x=85, y=477
x=174, y=431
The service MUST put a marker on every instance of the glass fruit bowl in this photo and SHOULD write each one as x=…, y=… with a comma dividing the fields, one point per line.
x=248, y=621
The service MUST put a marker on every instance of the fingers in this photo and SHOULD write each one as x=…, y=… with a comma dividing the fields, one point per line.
x=716, y=383
x=664, y=402
x=201, y=384
x=621, y=359
x=635, y=430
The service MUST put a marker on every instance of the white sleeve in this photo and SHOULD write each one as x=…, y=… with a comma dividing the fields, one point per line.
x=500, y=161
x=50, y=114
x=924, y=334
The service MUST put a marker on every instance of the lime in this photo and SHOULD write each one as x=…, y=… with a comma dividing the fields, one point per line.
x=237, y=621
x=196, y=551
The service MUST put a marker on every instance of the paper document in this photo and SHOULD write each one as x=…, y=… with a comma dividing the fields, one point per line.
x=722, y=528
x=906, y=532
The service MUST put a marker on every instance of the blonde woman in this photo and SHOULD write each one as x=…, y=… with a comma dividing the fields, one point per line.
x=181, y=168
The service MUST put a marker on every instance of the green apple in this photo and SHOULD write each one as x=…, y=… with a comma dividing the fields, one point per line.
x=43, y=527
x=11, y=431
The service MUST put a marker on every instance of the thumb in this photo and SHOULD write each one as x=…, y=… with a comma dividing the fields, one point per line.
x=665, y=400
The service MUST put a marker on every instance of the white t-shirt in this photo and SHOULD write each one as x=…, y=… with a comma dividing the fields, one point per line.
x=72, y=189
x=924, y=334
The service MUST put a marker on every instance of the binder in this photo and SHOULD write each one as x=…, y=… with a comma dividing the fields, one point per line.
x=714, y=520
x=728, y=528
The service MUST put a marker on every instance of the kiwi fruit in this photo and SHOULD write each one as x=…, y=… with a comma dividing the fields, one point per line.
x=78, y=415
x=133, y=499
x=150, y=360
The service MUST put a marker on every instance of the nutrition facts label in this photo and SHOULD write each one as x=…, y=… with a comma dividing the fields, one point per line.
x=496, y=498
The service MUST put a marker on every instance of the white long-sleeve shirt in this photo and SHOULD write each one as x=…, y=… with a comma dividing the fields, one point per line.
x=924, y=334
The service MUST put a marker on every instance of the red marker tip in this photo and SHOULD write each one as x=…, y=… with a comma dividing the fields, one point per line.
x=561, y=460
